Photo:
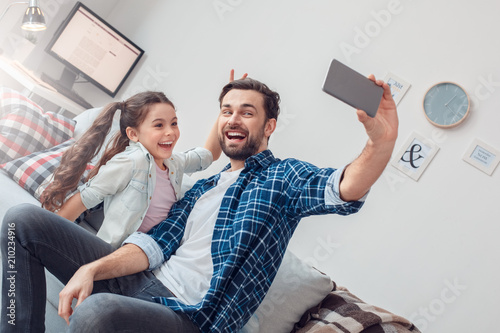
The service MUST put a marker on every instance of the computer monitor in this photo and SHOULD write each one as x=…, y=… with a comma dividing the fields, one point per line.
x=91, y=47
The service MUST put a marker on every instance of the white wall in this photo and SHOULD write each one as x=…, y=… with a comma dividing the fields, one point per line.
x=426, y=250
x=412, y=240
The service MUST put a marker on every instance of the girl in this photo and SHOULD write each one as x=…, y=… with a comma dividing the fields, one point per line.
x=138, y=177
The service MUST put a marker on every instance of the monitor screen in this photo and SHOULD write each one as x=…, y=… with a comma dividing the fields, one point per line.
x=91, y=47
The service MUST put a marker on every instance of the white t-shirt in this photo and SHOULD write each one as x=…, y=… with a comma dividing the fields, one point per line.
x=189, y=270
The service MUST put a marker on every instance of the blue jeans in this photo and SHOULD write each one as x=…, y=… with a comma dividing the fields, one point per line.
x=32, y=239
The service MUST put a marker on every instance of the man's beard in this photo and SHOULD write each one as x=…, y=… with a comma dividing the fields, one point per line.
x=250, y=148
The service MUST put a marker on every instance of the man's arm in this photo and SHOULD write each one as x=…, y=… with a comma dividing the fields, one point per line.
x=128, y=259
x=382, y=132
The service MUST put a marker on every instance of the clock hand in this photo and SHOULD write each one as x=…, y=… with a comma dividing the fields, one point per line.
x=446, y=104
x=454, y=112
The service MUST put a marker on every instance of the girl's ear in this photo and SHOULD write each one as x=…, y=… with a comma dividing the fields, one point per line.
x=132, y=134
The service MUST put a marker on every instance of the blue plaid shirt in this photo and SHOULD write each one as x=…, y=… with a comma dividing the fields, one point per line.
x=257, y=217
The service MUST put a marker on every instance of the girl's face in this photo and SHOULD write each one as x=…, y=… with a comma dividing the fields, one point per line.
x=158, y=133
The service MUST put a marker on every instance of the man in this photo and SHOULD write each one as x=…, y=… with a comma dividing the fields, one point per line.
x=215, y=256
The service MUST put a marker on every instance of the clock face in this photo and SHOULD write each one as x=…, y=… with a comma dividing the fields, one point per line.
x=446, y=104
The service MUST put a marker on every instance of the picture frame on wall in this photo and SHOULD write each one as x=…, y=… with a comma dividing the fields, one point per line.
x=398, y=86
x=482, y=156
x=415, y=155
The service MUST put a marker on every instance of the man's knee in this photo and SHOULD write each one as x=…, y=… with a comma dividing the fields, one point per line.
x=21, y=214
x=105, y=312
x=16, y=219
x=29, y=220
x=15, y=212
x=94, y=313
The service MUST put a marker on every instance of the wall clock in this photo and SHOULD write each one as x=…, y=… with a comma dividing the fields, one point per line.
x=446, y=104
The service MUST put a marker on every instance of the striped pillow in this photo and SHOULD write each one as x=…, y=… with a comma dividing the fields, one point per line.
x=25, y=128
x=34, y=172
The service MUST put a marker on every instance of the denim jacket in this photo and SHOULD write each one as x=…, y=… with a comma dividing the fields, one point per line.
x=126, y=184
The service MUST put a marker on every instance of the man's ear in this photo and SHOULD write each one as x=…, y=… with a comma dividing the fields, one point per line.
x=270, y=127
x=132, y=134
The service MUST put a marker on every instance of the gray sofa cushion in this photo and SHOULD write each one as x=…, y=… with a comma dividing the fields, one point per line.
x=13, y=194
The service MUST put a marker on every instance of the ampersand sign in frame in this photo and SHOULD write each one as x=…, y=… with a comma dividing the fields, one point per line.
x=415, y=155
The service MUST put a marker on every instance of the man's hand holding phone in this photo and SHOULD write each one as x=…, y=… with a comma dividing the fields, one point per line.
x=372, y=98
x=376, y=110
x=352, y=88
x=384, y=126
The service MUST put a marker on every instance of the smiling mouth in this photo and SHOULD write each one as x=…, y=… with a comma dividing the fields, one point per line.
x=166, y=145
x=235, y=136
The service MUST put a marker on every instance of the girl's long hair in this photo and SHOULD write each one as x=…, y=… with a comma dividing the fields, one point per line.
x=74, y=160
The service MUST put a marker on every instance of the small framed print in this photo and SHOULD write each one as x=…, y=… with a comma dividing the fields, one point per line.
x=482, y=156
x=415, y=155
x=399, y=87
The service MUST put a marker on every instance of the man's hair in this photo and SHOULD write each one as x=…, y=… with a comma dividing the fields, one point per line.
x=271, y=98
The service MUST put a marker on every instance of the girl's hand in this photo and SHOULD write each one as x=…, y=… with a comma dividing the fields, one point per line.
x=231, y=76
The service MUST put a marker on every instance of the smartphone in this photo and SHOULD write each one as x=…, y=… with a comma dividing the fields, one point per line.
x=352, y=88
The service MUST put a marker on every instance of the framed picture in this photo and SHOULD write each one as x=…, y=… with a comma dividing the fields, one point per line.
x=415, y=155
x=399, y=86
x=482, y=156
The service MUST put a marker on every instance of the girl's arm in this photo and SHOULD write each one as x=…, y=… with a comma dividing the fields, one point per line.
x=104, y=183
x=212, y=142
x=72, y=208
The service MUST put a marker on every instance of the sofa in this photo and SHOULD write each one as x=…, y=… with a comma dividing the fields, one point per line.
x=301, y=298
x=22, y=125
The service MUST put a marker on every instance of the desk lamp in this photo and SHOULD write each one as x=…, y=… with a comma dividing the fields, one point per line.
x=33, y=19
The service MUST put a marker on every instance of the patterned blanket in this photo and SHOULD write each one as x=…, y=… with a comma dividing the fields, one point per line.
x=343, y=312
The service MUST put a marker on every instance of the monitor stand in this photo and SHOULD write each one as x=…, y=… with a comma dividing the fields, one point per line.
x=64, y=86
x=68, y=78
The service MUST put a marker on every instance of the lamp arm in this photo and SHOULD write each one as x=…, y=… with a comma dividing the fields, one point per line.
x=10, y=5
